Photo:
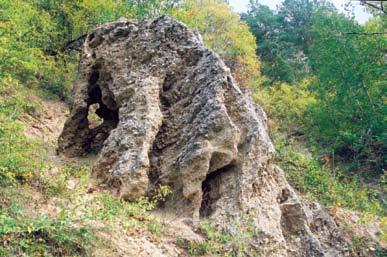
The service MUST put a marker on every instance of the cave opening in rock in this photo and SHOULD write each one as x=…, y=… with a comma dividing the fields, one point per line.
x=211, y=190
x=93, y=119
x=101, y=119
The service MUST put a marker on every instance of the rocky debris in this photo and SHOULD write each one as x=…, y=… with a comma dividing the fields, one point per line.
x=173, y=115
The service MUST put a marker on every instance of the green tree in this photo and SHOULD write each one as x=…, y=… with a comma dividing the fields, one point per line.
x=296, y=18
x=350, y=85
x=265, y=26
x=224, y=33
x=283, y=37
x=153, y=8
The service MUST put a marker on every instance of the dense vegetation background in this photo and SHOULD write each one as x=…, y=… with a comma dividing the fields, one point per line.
x=318, y=73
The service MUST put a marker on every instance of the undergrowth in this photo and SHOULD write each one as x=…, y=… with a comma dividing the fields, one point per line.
x=221, y=243
x=24, y=233
x=20, y=157
x=317, y=181
x=25, y=171
x=288, y=109
x=71, y=230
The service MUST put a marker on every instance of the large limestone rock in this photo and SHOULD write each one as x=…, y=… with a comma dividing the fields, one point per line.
x=173, y=115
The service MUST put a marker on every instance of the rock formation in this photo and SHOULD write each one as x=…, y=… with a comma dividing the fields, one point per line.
x=173, y=115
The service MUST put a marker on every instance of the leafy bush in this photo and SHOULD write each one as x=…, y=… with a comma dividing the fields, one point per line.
x=286, y=105
x=330, y=187
x=29, y=45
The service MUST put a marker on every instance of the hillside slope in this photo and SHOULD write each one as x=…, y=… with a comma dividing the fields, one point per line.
x=110, y=227
x=298, y=219
x=192, y=136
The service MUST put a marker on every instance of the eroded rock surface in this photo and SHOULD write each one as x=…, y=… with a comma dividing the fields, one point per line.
x=173, y=115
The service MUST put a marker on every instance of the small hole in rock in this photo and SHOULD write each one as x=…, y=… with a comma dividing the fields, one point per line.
x=101, y=121
x=93, y=118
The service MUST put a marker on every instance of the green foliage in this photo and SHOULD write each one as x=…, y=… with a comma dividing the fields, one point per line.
x=23, y=234
x=296, y=18
x=220, y=243
x=283, y=37
x=34, y=32
x=161, y=194
x=28, y=34
x=330, y=187
x=286, y=105
x=264, y=25
x=14, y=100
x=42, y=236
x=153, y=8
x=20, y=157
x=349, y=116
x=320, y=80
x=76, y=18
x=58, y=184
x=224, y=33
x=156, y=229
x=82, y=16
x=107, y=207
x=305, y=39
x=361, y=245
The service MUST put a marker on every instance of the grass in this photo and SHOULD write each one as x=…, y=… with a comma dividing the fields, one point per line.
x=24, y=172
x=58, y=184
x=71, y=230
x=24, y=233
x=220, y=243
x=332, y=188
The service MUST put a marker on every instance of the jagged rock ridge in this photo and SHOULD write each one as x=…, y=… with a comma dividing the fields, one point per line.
x=173, y=115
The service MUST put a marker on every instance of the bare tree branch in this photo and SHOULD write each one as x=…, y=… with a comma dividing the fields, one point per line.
x=365, y=33
x=373, y=5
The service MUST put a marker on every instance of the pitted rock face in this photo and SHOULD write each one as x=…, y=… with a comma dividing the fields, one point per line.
x=173, y=115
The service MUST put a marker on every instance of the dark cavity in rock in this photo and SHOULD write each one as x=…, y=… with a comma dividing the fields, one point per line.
x=211, y=190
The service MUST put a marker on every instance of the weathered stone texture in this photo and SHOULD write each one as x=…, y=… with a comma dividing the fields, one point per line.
x=173, y=115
